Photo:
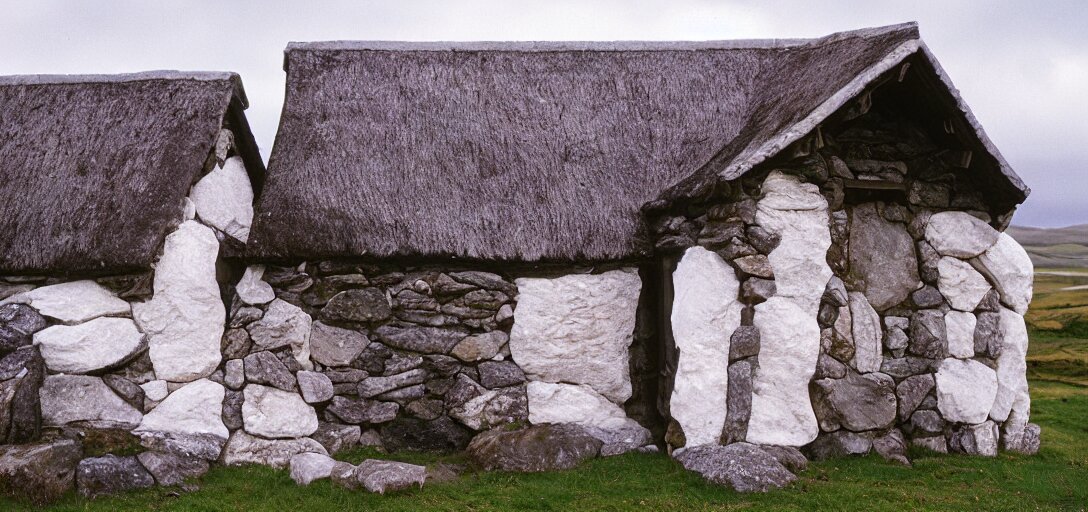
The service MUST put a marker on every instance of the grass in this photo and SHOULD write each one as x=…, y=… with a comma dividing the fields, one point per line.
x=1054, y=307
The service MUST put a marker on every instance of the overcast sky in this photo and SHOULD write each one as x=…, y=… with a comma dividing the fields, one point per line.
x=1022, y=66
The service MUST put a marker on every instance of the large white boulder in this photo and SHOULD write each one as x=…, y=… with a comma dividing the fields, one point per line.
x=252, y=289
x=965, y=390
x=577, y=328
x=224, y=199
x=274, y=413
x=184, y=319
x=1010, y=270
x=959, y=234
x=284, y=324
x=94, y=345
x=243, y=448
x=1012, y=381
x=307, y=467
x=789, y=346
x=572, y=403
x=705, y=312
x=69, y=398
x=960, y=329
x=74, y=302
x=868, y=334
x=195, y=408
x=960, y=283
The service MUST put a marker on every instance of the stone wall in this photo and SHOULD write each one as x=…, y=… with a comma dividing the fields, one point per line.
x=870, y=316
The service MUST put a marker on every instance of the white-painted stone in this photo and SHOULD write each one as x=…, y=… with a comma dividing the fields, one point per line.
x=1010, y=270
x=959, y=234
x=195, y=408
x=1012, y=382
x=224, y=199
x=243, y=448
x=960, y=328
x=185, y=318
x=155, y=390
x=960, y=283
x=789, y=346
x=965, y=390
x=252, y=289
x=284, y=324
x=307, y=467
x=571, y=403
x=69, y=398
x=705, y=312
x=94, y=345
x=75, y=302
x=577, y=329
x=274, y=413
x=868, y=335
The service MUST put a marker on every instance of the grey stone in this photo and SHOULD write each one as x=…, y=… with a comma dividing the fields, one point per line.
x=126, y=389
x=755, y=290
x=307, y=467
x=903, y=367
x=400, y=363
x=896, y=339
x=381, y=476
x=989, y=338
x=828, y=367
x=980, y=439
x=928, y=258
x=22, y=415
x=485, y=280
x=336, y=437
x=764, y=241
x=315, y=387
x=374, y=386
x=40, y=473
x=428, y=340
x=892, y=446
x=236, y=344
x=265, y=368
x=244, y=316
x=204, y=446
x=351, y=376
x=927, y=334
x=500, y=374
x=839, y=444
x=927, y=297
x=736, y=248
x=788, y=456
x=743, y=467
x=930, y=194
x=493, y=408
x=911, y=391
x=897, y=322
x=935, y=443
x=882, y=254
x=478, y=347
x=738, y=402
x=744, y=342
x=927, y=422
x=756, y=265
x=359, y=305
x=403, y=395
x=545, y=447
x=1029, y=441
x=234, y=374
x=505, y=316
x=462, y=390
x=359, y=411
x=71, y=398
x=21, y=318
x=857, y=402
x=172, y=469
x=426, y=409
x=827, y=315
x=991, y=302
x=620, y=439
x=232, y=409
x=334, y=346
x=441, y=435
x=835, y=292
x=243, y=448
x=111, y=474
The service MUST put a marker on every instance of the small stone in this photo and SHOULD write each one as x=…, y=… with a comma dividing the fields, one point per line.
x=927, y=297
x=911, y=391
x=936, y=443
x=928, y=337
x=493, y=408
x=500, y=374
x=788, y=456
x=251, y=289
x=234, y=374
x=265, y=368
x=741, y=466
x=895, y=339
x=892, y=446
x=111, y=474
x=744, y=342
x=236, y=344
x=172, y=469
x=203, y=446
x=978, y=439
x=374, y=386
x=1009, y=268
x=195, y=408
x=283, y=325
x=362, y=411
x=537, y=448
x=426, y=409
x=336, y=437
x=903, y=367
x=244, y=316
x=381, y=476
x=126, y=389
x=738, y=402
x=155, y=390
x=835, y=292
x=224, y=199
x=427, y=340
x=755, y=265
x=828, y=367
x=359, y=305
x=755, y=290
x=960, y=327
x=315, y=387
x=505, y=315
x=989, y=337
x=764, y=241
x=865, y=323
x=478, y=347
x=274, y=413
x=307, y=467
x=839, y=444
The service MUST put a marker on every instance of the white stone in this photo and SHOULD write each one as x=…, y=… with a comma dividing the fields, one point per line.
x=94, y=345
x=959, y=234
x=234, y=373
x=69, y=398
x=868, y=336
x=1010, y=270
x=224, y=199
x=965, y=390
x=284, y=324
x=705, y=312
x=274, y=413
x=1012, y=382
x=789, y=346
x=960, y=283
x=185, y=318
x=252, y=289
x=195, y=408
x=243, y=448
x=188, y=209
x=577, y=328
x=571, y=403
x=315, y=386
x=75, y=302
x=155, y=390
x=307, y=467
x=960, y=328
x=797, y=213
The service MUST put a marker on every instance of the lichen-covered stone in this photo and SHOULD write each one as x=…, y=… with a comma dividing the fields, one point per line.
x=314, y=386
x=427, y=340
x=243, y=448
x=911, y=391
x=40, y=473
x=360, y=411
x=111, y=474
x=478, y=347
x=741, y=466
x=284, y=325
x=928, y=335
x=856, y=402
x=70, y=398
x=359, y=305
x=265, y=368
x=172, y=469
x=335, y=346
x=980, y=439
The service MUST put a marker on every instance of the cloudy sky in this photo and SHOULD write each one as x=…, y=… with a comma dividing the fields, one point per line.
x=1022, y=66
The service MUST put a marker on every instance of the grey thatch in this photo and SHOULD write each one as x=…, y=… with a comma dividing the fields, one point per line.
x=93, y=169
x=531, y=151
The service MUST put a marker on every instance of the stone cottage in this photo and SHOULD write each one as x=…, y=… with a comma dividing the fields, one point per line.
x=123, y=197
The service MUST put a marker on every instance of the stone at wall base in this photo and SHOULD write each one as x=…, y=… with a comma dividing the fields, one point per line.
x=537, y=448
x=39, y=473
x=741, y=466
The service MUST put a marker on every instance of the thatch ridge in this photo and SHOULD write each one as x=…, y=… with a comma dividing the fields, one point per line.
x=94, y=167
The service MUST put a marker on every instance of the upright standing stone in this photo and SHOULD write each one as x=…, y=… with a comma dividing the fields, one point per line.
x=868, y=350
x=1012, y=382
x=224, y=199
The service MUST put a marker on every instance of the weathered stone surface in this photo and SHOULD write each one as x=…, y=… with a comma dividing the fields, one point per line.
x=961, y=284
x=126, y=389
x=1020, y=437
x=788, y=456
x=315, y=387
x=618, y=441
x=911, y=391
x=865, y=323
x=69, y=398
x=1012, y=382
x=965, y=390
x=959, y=234
x=336, y=437
x=551, y=321
x=978, y=439
x=570, y=403
x=442, y=434
x=359, y=305
x=903, y=367
x=381, y=476
x=960, y=327
x=738, y=403
x=828, y=367
x=284, y=325
x=499, y=374
x=23, y=372
x=478, y=347
x=274, y=413
x=882, y=255
x=374, y=386
x=234, y=374
x=251, y=289
x=533, y=449
x=334, y=346
x=184, y=320
x=755, y=290
x=896, y=340
x=1010, y=270
x=172, y=469
x=307, y=467
x=789, y=348
x=988, y=336
x=493, y=408
x=21, y=318
x=744, y=342
x=244, y=316
x=892, y=446
x=741, y=466
x=40, y=473
x=755, y=265
x=75, y=301
x=243, y=448
x=362, y=410
x=224, y=199
x=111, y=474
x=927, y=297
x=427, y=340
x=705, y=313
x=842, y=443
x=840, y=344
x=936, y=443
x=265, y=368
x=927, y=422
x=429, y=409
x=155, y=390
x=195, y=408
x=928, y=335
x=856, y=402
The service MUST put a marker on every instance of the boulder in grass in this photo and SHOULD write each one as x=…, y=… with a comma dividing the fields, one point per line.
x=307, y=467
x=172, y=469
x=743, y=467
x=537, y=448
x=382, y=476
x=40, y=473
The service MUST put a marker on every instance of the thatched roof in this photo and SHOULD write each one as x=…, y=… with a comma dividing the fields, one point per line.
x=93, y=169
x=526, y=151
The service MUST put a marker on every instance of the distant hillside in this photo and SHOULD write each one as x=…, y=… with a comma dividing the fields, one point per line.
x=1054, y=247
